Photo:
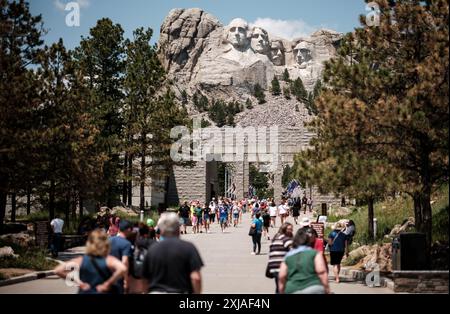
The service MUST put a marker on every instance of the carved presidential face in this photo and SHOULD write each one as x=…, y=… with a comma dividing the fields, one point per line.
x=303, y=53
x=260, y=40
x=277, y=53
x=238, y=33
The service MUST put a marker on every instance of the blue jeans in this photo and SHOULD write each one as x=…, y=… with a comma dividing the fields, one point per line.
x=256, y=238
x=55, y=247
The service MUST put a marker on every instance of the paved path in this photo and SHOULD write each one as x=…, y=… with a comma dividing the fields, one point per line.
x=229, y=266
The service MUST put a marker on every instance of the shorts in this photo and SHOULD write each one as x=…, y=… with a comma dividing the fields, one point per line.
x=336, y=257
x=199, y=220
x=223, y=220
x=236, y=216
x=194, y=220
x=184, y=220
x=206, y=218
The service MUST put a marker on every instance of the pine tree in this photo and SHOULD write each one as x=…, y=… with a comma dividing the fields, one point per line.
x=203, y=103
x=258, y=92
x=21, y=37
x=310, y=104
x=101, y=59
x=248, y=104
x=389, y=115
x=276, y=90
x=68, y=148
x=287, y=92
x=184, y=97
x=299, y=91
x=218, y=113
x=286, y=76
x=151, y=111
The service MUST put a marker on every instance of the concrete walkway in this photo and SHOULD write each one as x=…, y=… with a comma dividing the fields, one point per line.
x=229, y=266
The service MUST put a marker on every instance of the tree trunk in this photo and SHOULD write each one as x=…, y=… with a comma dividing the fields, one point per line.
x=67, y=211
x=28, y=199
x=142, y=178
x=370, y=201
x=13, y=207
x=3, y=199
x=80, y=203
x=417, y=211
x=130, y=181
x=51, y=200
x=166, y=190
x=125, y=180
x=73, y=204
x=343, y=202
x=427, y=225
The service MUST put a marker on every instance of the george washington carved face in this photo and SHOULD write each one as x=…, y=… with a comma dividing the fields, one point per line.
x=237, y=34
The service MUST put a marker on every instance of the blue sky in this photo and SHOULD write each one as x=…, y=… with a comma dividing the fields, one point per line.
x=287, y=18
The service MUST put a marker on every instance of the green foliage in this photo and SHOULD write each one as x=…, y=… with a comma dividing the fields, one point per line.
x=286, y=76
x=258, y=92
x=29, y=258
x=205, y=123
x=287, y=176
x=184, y=97
x=310, y=104
x=298, y=90
x=276, y=89
x=223, y=113
x=248, y=104
x=218, y=113
x=260, y=182
x=287, y=92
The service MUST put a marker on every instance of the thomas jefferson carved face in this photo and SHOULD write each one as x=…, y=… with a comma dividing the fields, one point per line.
x=303, y=53
x=277, y=52
x=260, y=40
x=238, y=33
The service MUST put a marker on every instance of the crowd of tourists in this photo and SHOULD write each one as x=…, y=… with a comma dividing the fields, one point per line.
x=144, y=257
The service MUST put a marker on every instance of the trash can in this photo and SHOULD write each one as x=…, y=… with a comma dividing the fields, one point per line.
x=409, y=252
x=324, y=209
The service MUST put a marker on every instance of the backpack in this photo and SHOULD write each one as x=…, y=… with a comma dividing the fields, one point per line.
x=137, y=259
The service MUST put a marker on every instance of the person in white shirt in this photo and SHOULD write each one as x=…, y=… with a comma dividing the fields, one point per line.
x=273, y=214
x=57, y=225
x=282, y=211
x=212, y=211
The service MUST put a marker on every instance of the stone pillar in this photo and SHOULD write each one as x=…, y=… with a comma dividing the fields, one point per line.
x=189, y=183
x=278, y=185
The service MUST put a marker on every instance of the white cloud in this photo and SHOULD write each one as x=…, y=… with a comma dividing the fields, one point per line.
x=61, y=5
x=84, y=3
x=287, y=29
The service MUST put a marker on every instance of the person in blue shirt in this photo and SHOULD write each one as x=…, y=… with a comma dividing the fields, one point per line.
x=338, y=244
x=223, y=216
x=256, y=237
x=121, y=249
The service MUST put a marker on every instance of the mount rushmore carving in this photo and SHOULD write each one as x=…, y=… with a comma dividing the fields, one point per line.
x=200, y=53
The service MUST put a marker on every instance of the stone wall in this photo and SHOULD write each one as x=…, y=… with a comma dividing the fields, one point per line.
x=421, y=281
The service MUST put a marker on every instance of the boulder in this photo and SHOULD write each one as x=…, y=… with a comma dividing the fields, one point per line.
x=407, y=224
x=373, y=257
x=7, y=251
x=22, y=239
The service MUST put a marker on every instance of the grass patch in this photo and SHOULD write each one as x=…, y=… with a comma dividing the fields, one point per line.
x=395, y=211
x=29, y=258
